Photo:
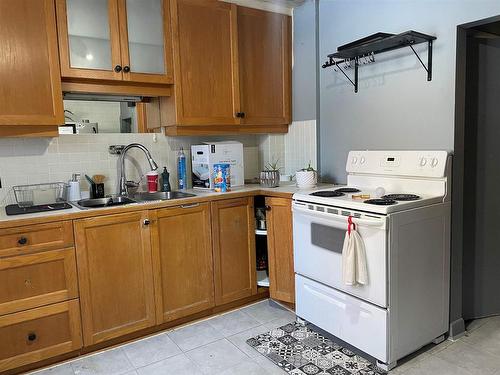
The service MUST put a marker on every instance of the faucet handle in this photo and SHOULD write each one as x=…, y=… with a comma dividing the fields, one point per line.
x=131, y=184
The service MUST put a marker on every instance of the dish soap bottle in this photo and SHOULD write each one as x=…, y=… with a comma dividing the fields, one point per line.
x=165, y=183
x=181, y=169
x=74, y=193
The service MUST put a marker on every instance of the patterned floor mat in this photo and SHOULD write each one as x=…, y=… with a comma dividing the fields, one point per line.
x=299, y=350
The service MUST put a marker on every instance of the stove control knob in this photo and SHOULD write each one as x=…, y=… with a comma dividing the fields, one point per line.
x=423, y=162
x=362, y=160
x=434, y=162
x=354, y=160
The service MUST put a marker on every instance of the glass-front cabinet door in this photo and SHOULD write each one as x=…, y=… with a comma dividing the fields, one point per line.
x=125, y=40
x=145, y=40
x=89, y=39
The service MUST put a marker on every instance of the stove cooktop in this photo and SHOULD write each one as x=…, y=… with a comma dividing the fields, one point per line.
x=381, y=201
x=401, y=197
x=366, y=199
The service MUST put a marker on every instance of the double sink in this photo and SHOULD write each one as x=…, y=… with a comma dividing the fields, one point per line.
x=135, y=198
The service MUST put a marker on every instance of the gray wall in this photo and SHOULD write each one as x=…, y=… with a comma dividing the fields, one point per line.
x=305, y=67
x=395, y=108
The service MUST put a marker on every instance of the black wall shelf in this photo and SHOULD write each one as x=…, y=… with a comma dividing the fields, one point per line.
x=363, y=51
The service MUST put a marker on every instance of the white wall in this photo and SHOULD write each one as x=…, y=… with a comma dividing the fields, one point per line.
x=395, y=108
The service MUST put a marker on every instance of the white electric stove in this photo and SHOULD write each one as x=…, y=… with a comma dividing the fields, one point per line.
x=400, y=203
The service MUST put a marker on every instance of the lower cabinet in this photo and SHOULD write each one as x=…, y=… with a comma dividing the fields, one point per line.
x=280, y=249
x=33, y=335
x=233, y=231
x=115, y=275
x=182, y=257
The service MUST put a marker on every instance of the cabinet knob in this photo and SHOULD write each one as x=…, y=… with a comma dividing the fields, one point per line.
x=118, y=68
x=126, y=69
x=22, y=241
x=240, y=114
x=31, y=336
x=268, y=208
x=146, y=222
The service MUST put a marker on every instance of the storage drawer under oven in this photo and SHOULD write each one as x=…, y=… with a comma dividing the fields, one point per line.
x=356, y=322
x=318, y=240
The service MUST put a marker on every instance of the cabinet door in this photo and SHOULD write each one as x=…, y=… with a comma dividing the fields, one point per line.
x=280, y=249
x=115, y=275
x=30, y=85
x=146, y=41
x=233, y=231
x=205, y=55
x=182, y=250
x=265, y=66
x=89, y=39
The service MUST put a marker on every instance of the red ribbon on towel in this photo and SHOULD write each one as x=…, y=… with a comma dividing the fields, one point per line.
x=349, y=224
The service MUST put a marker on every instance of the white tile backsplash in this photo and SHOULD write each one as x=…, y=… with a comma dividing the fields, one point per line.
x=39, y=160
x=294, y=150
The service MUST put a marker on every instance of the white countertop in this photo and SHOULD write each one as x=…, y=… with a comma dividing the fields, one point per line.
x=285, y=188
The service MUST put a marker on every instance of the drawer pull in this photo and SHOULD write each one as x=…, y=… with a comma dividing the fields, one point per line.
x=22, y=241
x=146, y=222
x=32, y=336
x=192, y=205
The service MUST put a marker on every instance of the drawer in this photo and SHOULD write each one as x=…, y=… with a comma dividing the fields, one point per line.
x=34, y=238
x=354, y=321
x=35, y=280
x=33, y=335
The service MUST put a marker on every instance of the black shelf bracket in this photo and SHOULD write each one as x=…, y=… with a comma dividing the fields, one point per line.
x=427, y=68
x=364, y=51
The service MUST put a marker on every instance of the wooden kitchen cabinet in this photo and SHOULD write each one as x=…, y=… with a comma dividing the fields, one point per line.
x=30, y=86
x=206, y=73
x=233, y=233
x=265, y=60
x=37, y=334
x=232, y=70
x=35, y=280
x=182, y=257
x=280, y=249
x=115, y=274
x=115, y=40
x=34, y=238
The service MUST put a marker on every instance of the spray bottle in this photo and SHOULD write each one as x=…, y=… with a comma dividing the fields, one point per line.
x=181, y=169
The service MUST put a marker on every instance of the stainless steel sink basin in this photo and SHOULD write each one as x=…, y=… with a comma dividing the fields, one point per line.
x=104, y=202
x=161, y=196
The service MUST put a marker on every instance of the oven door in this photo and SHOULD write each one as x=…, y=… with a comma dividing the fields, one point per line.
x=318, y=238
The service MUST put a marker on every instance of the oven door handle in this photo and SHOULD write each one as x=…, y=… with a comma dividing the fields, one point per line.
x=339, y=218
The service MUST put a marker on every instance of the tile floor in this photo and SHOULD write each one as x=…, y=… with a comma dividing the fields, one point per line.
x=217, y=346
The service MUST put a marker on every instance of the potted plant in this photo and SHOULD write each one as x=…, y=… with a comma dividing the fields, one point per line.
x=306, y=178
x=270, y=177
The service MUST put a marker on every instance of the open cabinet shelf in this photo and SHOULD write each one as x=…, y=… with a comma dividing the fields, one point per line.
x=364, y=51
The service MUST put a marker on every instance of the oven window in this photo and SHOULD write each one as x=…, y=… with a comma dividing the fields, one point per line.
x=327, y=237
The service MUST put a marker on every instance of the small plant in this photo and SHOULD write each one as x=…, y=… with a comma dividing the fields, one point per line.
x=273, y=166
x=308, y=169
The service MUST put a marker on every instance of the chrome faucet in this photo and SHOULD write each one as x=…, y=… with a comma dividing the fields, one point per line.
x=124, y=184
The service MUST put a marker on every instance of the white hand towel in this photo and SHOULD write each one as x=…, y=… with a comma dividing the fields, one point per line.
x=361, y=268
x=354, y=269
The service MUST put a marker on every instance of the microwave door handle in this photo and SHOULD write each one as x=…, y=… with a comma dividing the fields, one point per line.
x=339, y=218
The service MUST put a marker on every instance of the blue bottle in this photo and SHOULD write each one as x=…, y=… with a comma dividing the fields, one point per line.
x=181, y=169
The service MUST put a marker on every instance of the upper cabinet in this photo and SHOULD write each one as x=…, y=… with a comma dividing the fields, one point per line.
x=30, y=87
x=264, y=55
x=115, y=40
x=232, y=70
x=206, y=74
